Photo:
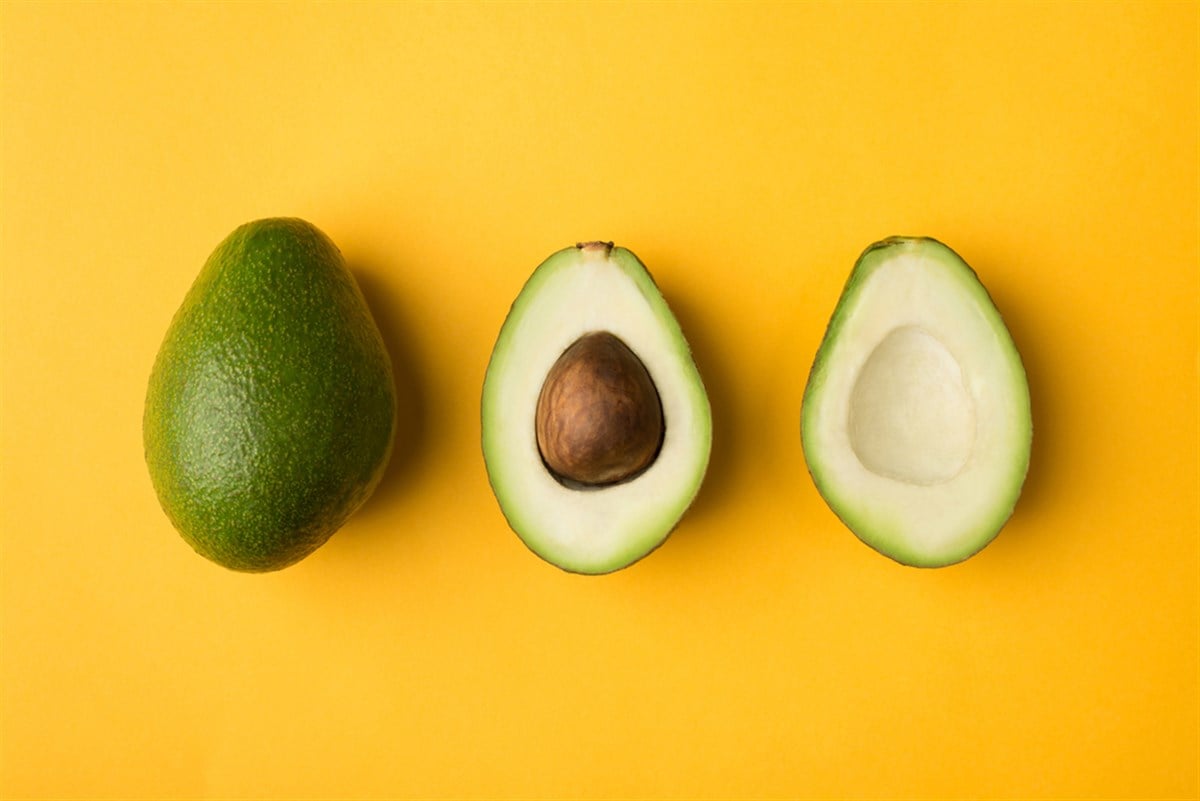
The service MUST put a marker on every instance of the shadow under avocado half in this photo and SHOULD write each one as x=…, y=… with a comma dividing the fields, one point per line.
x=722, y=462
x=1043, y=454
x=411, y=439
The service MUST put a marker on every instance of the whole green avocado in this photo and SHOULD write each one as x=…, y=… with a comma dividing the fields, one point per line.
x=271, y=408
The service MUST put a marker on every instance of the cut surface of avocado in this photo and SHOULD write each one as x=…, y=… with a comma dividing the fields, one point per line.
x=582, y=338
x=916, y=420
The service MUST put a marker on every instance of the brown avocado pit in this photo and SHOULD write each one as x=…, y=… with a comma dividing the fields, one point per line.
x=599, y=419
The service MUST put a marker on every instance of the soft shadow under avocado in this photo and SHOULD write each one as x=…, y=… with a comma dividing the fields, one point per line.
x=1044, y=453
x=411, y=442
x=722, y=462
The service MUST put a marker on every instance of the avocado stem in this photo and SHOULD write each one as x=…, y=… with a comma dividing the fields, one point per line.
x=586, y=246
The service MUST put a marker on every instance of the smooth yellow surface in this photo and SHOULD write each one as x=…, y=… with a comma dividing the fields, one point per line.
x=747, y=154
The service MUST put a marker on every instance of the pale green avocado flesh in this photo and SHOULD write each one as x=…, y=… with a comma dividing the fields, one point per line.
x=270, y=409
x=916, y=420
x=580, y=290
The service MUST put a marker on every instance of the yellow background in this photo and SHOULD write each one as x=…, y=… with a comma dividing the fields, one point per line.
x=747, y=154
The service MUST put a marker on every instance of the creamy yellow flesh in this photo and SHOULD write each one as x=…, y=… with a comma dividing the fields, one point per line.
x=593, y=530
x=911, y=416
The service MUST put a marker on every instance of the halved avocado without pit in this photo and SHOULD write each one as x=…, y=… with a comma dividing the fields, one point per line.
x=916, y=419
x=596, y=425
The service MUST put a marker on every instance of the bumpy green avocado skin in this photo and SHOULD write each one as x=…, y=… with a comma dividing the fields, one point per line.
x=270, y=411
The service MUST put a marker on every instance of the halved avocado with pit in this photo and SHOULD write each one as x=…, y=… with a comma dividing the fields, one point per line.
x=596, y=425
